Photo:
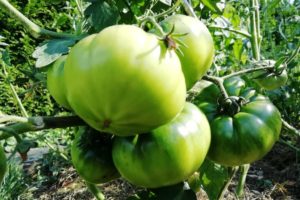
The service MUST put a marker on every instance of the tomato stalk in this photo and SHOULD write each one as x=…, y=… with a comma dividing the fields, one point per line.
x=231, y=171
x=14, y=93
x=254, y=29
x=243, y=174
x=95, y=190
x=39, y=123
x=35, y=30
x=219, y=82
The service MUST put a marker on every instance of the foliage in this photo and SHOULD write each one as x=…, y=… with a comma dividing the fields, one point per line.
x=24, y=60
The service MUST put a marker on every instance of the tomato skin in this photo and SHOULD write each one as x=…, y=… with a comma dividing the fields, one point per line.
x=166, y=155
x=246, y=136
x=56, y=82
x=91, y=156
x=272, y=82
x=3, y=164
x=124, y=81
x=197, y=57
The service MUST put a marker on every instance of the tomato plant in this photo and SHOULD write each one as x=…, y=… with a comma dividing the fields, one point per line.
x=56, y=82
x=2, y=164
x=129, y=81
x=196, y=46
x=244, y=127
x=91, y=156
x=166, y=155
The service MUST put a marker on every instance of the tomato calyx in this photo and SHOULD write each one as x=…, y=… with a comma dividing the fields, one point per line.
x=231, y=105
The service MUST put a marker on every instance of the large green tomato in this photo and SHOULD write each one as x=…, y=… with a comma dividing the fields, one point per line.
x=240, y=134
x=166, y=155
x=3, y=164
x=56, y=82
x=197, y=54
x=91, y=156
x=124, y=81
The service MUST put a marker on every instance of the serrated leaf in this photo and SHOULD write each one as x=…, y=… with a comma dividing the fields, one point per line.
x=51, y=50
x=100, y=14
x=167, y=2
x=213, y=177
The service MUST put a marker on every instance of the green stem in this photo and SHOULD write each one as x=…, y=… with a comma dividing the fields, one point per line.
x=12, y=118
x=243, y=33
x=289, y=127
x=231, y=172
x=246, y=71
x=219, y=82
x=40, y=123
x=33, y=28
x=242, y=180
x=14, y=93
x=169, y=11
x=257, y=17
x=289, y=145
x=188, y=8
x=152, y=20
x=253, y=30
x=95, y=190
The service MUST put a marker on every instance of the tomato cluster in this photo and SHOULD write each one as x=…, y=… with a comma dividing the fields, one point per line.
x=130, y=87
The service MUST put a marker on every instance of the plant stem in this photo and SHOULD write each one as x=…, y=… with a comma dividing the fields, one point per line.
x=14, y=93
x=257, y=17
x=95, y=190
x=246, y=71
x=152, y=20
x=253, y=30
x=241, y=184
x=289, y=127
x=169, y=11
x=40, y=123
x=243, y=33
x=12, y=118
x=231, y=171
x=219, y=82
x=35, y=30
x=188, y=8
x=289, y=145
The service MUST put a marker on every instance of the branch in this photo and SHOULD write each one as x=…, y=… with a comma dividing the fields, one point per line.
x=189, y=9
x=40, y=123
x=246, y=71
x=253, y=29
x=289, y=127
x=219, y=82
x=35, y=30
x=243, y=33
x=169, y=11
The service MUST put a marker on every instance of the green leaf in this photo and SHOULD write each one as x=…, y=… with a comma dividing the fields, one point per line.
x=100, y=14
x=212, y=5
x=51, y=50
x=213, y=177
x=238, y=49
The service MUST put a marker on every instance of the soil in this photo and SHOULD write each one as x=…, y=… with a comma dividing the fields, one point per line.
x=276, y=176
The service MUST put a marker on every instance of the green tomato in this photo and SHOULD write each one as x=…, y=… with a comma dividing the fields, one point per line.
x=245, y=136
x=124, y=81
x=198, y=51
x=3, y=164
x=271, y=82
x=56, y=82
x=91, y=156
x=166, y=155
